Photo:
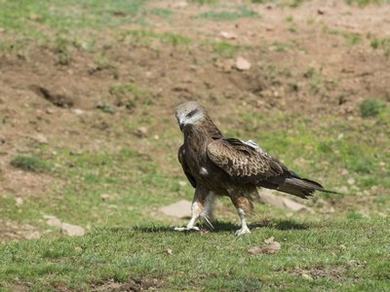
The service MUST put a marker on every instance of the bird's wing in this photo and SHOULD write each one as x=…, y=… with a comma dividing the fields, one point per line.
x=184, y=165
x=244, y=160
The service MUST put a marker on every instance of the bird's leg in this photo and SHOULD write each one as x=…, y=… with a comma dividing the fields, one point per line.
x=244, y=227
x=242, y=204
x=207, y=213
x=196, y=211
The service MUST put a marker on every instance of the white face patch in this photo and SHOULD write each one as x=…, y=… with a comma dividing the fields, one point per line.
x=184, y=119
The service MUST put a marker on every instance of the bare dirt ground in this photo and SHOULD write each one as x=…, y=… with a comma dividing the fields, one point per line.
x=315, y=59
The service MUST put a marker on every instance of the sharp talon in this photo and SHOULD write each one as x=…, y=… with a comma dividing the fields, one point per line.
x=193, y=228
x=208, y=222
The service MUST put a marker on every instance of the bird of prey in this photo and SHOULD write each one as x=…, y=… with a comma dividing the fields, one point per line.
x=220, y=166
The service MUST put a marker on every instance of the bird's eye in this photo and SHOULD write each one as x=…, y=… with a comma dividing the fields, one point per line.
x=191, y=113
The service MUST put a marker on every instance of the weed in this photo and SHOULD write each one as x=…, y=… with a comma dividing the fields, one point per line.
x=162, y=12
x=371, y=108
x=147, y=36
x=205, y=2
x=383, y=44
x=30, y=163
x=363, y=3
x=242, y=12
x=225, y=49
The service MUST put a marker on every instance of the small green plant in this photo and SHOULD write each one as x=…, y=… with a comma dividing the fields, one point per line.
x=62, y=49
x=162, y=12
x=383, y=44
x=225, y=49
x=371, y=108
x=363, y=3
x=205, y=2
x=123, y=90
x=242, y=12
x=30, y=163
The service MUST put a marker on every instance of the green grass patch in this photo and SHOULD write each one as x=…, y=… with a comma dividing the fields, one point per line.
x=65, y=15
x=242, y=12
x=225, y=49
x=283, y=3
x=147, y=37
x=363, y=3
x=334, y=258
x=371, y=108
x=382, y=44
x=31, y=163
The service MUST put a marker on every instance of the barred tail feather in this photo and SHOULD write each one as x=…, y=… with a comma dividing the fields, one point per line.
x=301, y=187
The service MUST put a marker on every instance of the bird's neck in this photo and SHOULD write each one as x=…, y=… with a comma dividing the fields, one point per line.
x=202, y=132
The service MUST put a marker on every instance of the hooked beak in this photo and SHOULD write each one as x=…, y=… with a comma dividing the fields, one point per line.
x=181, y=125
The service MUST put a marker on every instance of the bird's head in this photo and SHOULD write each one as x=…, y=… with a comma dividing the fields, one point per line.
x=189, y=113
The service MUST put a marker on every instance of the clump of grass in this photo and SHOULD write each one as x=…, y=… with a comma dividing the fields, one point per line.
x=123, y=90
x=162, y=12
x=63, y=51
x=288, y=3
x=371, y=108
x=128, y=94
x=316, y=80
x=225, y=49
x=147, y=36
x=204, y=2
x=242, y=12
x=30, y=163
x=363, y=3
x=383, y=44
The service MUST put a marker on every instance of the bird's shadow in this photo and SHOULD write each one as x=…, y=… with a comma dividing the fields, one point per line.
x=220, y=226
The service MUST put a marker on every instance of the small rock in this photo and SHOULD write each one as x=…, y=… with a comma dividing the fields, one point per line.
x=19, y=201
x=50, y=111
x=228, y=35
x=40, y=138
x=141, y=132
x=180, y=209
x=72, y=230
x=242, y=64
x=351, y=181
x=2, y=30
x=307, y=276
x=169, y=251
x=105, y=197
x=54, y=221
x=78, y=111
x=344, y=172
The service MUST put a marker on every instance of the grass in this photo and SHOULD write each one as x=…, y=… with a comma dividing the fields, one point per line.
x=148, y=36
x=363, y=3
x=30, y=163
x=225, y=49
x=383, y=44
x=286, y=3
x=122, y=243
x=371, y=108
x=241, y=12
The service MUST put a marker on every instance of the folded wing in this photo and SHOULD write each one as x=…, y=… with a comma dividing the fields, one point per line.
x=244, y=161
